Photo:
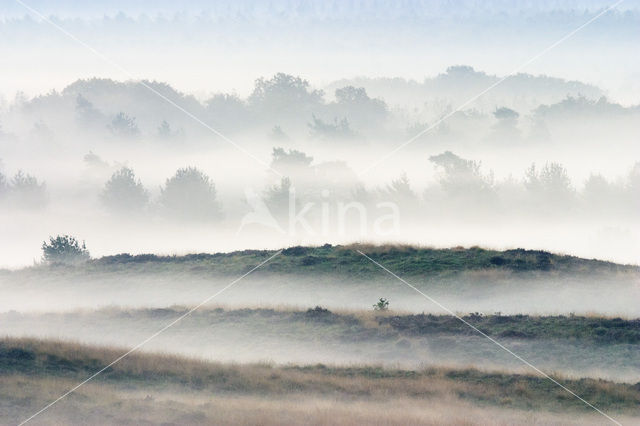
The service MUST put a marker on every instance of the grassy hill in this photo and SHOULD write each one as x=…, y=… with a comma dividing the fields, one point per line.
x=347, y=262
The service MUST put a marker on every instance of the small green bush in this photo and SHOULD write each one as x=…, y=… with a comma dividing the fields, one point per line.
x=64, y=249
x=382, y=305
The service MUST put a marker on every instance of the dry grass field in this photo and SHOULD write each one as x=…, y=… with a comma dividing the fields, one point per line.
x=166, y=389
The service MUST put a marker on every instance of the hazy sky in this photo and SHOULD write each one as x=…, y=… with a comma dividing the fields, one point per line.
x=202, y=48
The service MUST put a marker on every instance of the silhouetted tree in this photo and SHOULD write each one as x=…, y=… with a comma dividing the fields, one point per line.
x=354, y=104
x=86, y=114
x=4, y=186
x=27, y=192
x=277, y=199
x=284, y=92
x=227, y=112
x=338, y=130
x=506, y=127
x=553, y=180
x=633, y=186
x=277, y=134
x=284, y=160
x=124, y=126
x=166, y=132
x=64, y=249
x=124, y=193
x=460, y=176
x=94, y=160
x=190, y=195
x=284, y=99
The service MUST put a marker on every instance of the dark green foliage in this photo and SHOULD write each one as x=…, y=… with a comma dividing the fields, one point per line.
x=295, y=251
x=64, y=249
x=310, y=260
x=599, y=330
x=346, y=262
x=381, y=305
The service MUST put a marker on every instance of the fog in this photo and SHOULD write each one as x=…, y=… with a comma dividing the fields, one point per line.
x=484, y=292
x=163, y=129
x=298, y=166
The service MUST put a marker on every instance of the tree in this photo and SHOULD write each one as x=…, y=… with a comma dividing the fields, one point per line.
x=506, y=127
x=552, y=181
x=284, y=99
x=381, y=305
x=227, y=112
x=284, y=91
x=363, y=111
x=4, y=187
x=460, y=176
x=338, y=130
x=293, y=159
x=27, y=192
x=64, y=249
x=86, y=114
x=166, y=132
x=190, y=195
x=124, y=193
x=124, y=126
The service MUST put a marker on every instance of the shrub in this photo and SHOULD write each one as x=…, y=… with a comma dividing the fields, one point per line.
x=190, y=195
x=382, y=305
x=123, y=192
x=64, y=249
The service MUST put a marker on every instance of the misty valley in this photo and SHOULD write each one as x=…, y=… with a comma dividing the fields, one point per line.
x=319, y=212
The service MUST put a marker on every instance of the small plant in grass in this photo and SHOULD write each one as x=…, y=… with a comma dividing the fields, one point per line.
x=64, y=249
x=382, y=305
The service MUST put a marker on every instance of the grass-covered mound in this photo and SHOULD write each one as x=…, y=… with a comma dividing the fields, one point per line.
x=345, y=261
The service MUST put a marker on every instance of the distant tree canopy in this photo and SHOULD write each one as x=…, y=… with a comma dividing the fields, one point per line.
x=280, y=158
x=284, y=99
x=64, y=249
x=124, y=193
x=227, y=112
x=166, y=132
x=284, y=91
x=124, y=126
x=190, y=195
x=338, y=130
x=26, y=192
x=399, y=191
x=86, y=114
x=354, y=104
x=551, y=182
x=460, y=176
x=4, y=186
x=505, y=114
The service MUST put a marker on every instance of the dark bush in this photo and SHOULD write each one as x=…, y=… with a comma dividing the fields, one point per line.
x=64, y=249
x=310, y=260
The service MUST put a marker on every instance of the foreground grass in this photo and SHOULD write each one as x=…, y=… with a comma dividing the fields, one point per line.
x=26, y=361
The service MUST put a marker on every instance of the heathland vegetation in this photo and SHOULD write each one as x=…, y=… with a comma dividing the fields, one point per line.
x=144, y=387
